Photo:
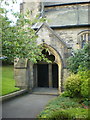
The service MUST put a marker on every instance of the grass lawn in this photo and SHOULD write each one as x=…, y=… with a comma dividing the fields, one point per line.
x=8, y=82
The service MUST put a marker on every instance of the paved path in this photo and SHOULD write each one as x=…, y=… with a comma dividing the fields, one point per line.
x=26, y=106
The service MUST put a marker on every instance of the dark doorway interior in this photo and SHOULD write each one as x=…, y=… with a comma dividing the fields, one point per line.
x=55, y=75
x=43, y=75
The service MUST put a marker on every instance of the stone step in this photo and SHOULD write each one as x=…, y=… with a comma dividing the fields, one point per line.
x=45, y=91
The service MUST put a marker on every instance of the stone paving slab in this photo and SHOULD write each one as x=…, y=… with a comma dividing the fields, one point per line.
x=45, y=91
x=26, y=106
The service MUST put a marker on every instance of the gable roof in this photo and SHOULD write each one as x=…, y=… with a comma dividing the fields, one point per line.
x=47, y=2
x=51, y=30
x=50, y=2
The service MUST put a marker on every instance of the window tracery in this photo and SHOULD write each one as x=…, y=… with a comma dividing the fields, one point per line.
x=84, y=37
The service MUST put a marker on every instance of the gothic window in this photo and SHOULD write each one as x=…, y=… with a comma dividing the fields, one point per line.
x=84, y=37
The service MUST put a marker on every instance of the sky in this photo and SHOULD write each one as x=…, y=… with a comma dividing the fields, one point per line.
x=15, y=7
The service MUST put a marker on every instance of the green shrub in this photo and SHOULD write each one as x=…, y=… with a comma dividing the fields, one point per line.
x=57, y=104
x=73, y=85
x=81, y=58
x=61, y=115
x=86, y=102
x=62, y=103
x=84, y=74
x=78, y=84
x=65, y=94
x=85, y=88
x=68, y=114
x=85, y=78
x=7, y=61
x=78, y=113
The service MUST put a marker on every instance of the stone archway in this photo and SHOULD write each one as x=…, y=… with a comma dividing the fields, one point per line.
x=47, y=74
x=26, y=72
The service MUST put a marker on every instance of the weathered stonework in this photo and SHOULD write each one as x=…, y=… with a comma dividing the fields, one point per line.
x=20, y=73
x=61, y=35
x=70, y=36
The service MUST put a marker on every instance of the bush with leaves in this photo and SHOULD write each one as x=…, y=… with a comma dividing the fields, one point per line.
x=73, y=85
x=78, y=84
x=85, y=77
x=62, y=108
x=85, y=88
x=69, y=114
x=80, y=59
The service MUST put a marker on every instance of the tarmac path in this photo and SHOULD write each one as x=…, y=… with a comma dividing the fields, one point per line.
x=25, y=106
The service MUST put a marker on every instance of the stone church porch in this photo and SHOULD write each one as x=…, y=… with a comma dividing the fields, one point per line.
x=43, y=77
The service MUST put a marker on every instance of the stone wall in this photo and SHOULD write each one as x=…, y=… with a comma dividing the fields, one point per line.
x=70, y=36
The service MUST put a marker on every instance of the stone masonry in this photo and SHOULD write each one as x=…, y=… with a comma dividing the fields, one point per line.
x=65, y=30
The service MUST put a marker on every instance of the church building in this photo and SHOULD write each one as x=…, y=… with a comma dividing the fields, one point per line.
x=67, y=28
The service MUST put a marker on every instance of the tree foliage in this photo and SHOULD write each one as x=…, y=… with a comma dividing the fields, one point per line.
x=80, y=59
x=19, y=41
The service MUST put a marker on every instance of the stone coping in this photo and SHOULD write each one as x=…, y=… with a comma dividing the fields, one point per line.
x=14, y=94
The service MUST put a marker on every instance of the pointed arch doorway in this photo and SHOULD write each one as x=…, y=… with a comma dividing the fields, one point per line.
x=48, y=75
x=42, y=75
